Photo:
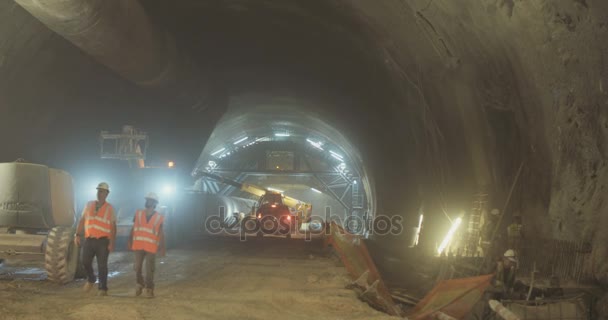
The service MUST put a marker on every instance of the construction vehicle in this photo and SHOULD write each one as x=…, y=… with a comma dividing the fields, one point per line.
x=37, y=218
x=271, y=205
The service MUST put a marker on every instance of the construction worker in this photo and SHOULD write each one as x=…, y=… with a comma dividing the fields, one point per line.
x=147, y=240
x=98, y=222
x=503, y=284
x=505, y=272
x=515, y=234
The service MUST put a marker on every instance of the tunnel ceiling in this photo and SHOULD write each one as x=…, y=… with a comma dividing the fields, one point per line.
x=250, y=121
x=442, y=98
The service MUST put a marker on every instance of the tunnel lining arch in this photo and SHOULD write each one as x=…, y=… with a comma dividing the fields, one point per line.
x=270, y=122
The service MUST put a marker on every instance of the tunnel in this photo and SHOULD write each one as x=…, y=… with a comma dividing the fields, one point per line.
x=434, y=104
x=273, y=144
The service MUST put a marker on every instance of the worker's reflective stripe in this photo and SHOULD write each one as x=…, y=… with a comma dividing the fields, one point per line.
x=98, y=228
x=98, y=224
x=146, y=240
x=150, y=230
x=146, y=234
x=102, y=219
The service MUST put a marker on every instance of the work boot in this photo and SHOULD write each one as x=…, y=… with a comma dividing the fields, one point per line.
x=138, y=290
x=87, y=286
x=149, y=293
x=102, y=293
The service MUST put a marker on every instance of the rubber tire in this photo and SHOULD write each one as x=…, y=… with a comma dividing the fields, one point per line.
x=62, y=256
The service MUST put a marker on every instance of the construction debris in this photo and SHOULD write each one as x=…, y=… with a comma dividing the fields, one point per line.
x=502, y=311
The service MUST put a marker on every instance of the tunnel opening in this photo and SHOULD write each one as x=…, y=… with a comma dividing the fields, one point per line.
x=282, y=147
x=443, y=102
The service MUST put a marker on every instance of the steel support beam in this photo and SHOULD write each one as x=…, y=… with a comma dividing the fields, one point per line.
x=277, y=173
x=345, y=192
x=333, y=194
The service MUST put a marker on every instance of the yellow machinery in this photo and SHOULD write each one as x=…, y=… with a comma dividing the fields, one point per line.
x=37, y=214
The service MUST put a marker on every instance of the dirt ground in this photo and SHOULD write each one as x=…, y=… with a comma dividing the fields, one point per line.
x=217, y=278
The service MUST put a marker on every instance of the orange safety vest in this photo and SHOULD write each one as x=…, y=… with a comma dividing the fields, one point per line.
x=98, y=224
x=146, y=233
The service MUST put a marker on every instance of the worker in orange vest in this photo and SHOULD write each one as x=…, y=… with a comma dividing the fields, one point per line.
x=147, y=240
x=98, y=222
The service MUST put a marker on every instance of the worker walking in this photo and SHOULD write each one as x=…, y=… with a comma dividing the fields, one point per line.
x=147, y=240
x=99, y=224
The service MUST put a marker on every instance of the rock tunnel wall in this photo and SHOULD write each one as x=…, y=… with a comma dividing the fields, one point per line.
x=495, y=84
x=476, y=88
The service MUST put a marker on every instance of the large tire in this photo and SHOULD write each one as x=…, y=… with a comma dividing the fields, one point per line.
x=62, y=256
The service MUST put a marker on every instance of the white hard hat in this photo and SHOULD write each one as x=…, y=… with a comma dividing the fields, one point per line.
x=510, y=254
x=152, y=196
x=103, y=186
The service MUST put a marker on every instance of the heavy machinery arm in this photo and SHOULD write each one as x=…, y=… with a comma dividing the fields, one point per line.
x=255, y=190
x=298, y=205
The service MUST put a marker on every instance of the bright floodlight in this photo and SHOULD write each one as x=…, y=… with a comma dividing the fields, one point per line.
x=418, y=230
x=170, y=164
x=218, y=151
x=240, y=140
x=282, y=135
x=315, y=190
x=448, y=237
x=168, y=189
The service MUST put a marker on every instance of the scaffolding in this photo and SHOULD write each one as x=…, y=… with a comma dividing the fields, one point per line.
x=129, y=145
x=473, y=234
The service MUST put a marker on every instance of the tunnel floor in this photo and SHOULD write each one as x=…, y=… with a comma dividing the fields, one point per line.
x=216, y=278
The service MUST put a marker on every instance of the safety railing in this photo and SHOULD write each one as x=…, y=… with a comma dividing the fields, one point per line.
x=567, y=260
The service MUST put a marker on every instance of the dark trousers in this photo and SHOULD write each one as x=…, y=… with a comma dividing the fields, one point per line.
x=96, y=248
x=140, y=256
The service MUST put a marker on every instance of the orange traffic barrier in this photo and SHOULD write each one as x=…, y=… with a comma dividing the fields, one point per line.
x=361, y=267
x=455, y=298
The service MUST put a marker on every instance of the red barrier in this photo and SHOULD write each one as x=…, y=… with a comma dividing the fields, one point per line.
x=359, y=264
x=455, y=298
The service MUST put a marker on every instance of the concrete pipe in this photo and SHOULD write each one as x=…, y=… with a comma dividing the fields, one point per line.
x=117, y=33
